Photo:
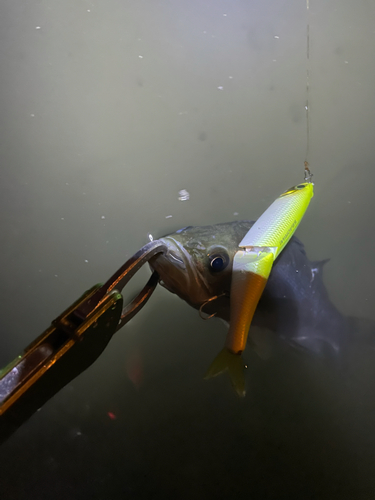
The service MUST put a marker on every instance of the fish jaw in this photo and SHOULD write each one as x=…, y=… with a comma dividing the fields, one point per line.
x=179, y=273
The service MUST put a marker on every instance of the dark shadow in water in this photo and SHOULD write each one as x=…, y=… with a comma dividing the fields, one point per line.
x=301, y=432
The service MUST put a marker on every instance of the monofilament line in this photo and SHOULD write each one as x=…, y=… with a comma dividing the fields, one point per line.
x=307, y=106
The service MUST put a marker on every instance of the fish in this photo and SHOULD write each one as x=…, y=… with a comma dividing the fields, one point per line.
x=251, y=267
x=295, y=305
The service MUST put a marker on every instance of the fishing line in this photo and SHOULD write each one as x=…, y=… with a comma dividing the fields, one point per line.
x=308, y=174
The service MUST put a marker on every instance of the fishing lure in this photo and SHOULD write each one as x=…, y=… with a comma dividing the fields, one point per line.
x=252, y=265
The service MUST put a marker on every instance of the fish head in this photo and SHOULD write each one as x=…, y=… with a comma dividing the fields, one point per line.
x=198, y=263
x=295, y=304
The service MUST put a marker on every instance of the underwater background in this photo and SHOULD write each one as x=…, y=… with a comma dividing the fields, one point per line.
x=107, y=111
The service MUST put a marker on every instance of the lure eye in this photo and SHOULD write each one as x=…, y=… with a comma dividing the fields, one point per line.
x=293, y=189
x=218, y=261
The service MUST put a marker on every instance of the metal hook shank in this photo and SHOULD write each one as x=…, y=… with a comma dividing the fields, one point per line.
x=211, y=299
x=121, y=278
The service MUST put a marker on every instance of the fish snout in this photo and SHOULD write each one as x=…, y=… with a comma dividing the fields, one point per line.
x=179, y=274
x=172, y=268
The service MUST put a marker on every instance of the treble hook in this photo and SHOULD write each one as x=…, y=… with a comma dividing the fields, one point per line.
x=206, y=302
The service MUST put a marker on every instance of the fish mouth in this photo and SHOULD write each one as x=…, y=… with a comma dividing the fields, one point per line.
x=175, y=259
x=178, y=273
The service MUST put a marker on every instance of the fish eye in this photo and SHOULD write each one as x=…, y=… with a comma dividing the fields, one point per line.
x=218, y=260
x=217, y=263
x=300, y=186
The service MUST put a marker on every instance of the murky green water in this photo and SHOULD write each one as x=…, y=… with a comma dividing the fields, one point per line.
x=108, y=110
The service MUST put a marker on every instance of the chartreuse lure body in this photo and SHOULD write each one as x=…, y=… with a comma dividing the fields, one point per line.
x=252, y=265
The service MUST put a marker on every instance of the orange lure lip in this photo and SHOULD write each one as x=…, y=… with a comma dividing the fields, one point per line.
x=242, y=314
